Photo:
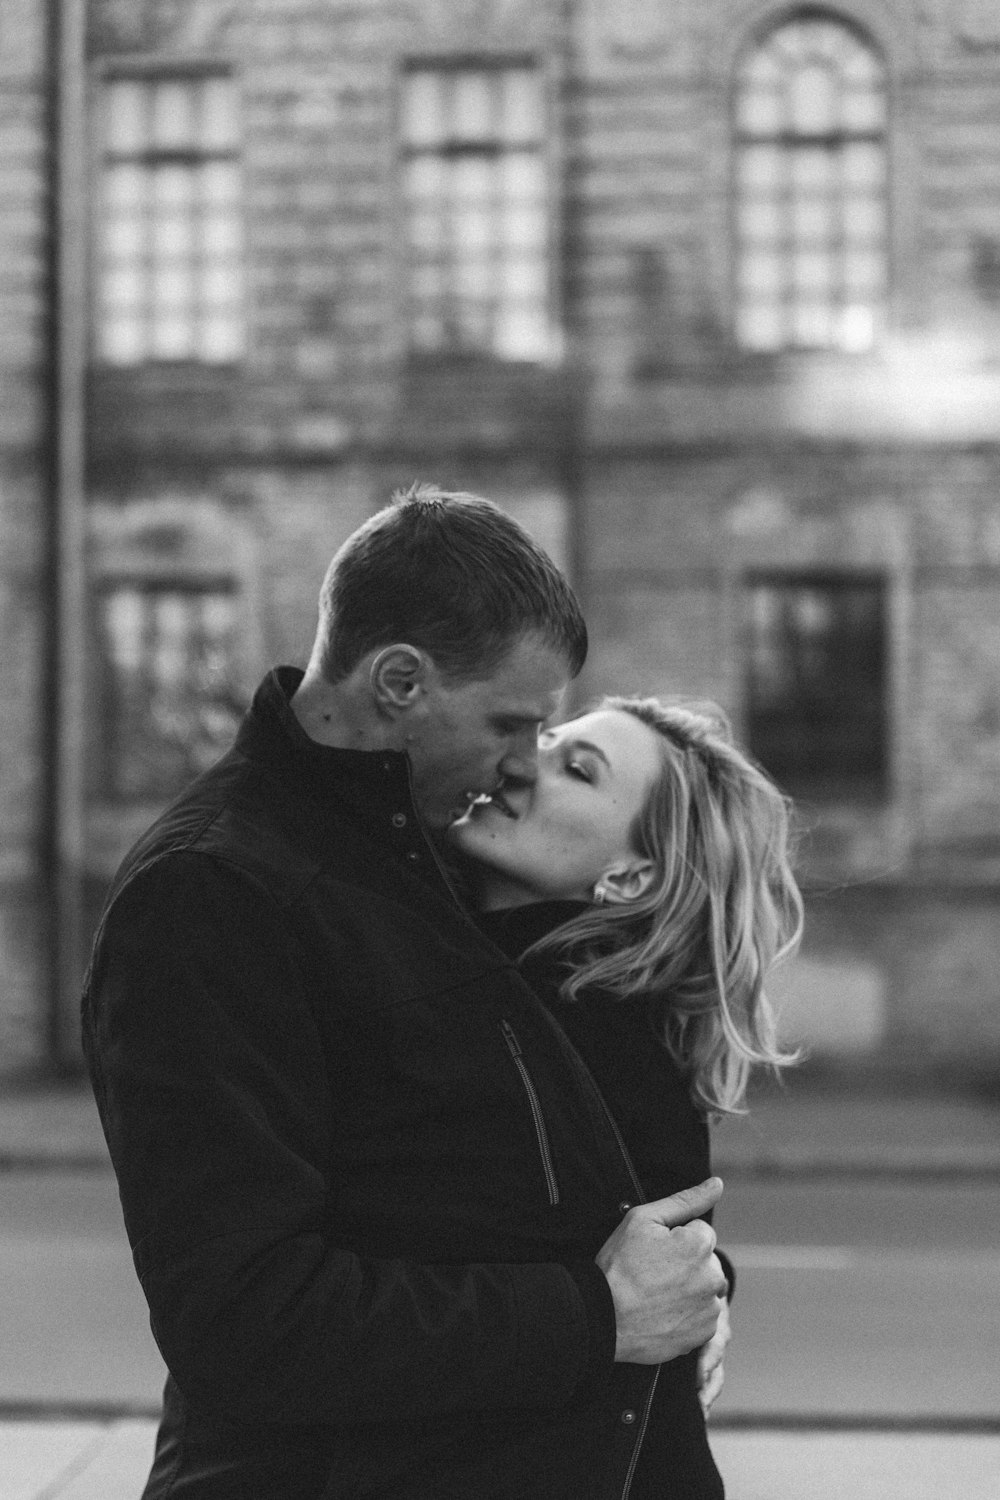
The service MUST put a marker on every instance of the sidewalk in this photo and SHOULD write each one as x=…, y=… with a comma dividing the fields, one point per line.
x=801, y=1132
x=799, y=1129
x=79, y=1461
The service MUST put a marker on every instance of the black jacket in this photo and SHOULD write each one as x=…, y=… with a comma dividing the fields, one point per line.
x=363, y=1173
x=667, y=1141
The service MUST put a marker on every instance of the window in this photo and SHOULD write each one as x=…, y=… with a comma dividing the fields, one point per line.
x=171, y=702
x=811, y=191
x=169, y=232
x=816, y=683
x=475, y=208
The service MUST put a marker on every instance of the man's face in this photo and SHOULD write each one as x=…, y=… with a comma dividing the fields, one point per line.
x=467, y=738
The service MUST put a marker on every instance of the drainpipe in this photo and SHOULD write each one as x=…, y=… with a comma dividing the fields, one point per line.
x=574, y=376
x=66, y=582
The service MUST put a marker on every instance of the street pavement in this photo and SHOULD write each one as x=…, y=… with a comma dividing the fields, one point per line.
x=867, y=1321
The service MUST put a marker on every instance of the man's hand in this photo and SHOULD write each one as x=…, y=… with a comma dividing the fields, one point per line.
x=711, y=1373
x=665, y=1279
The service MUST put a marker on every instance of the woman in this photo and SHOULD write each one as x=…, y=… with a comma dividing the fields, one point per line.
x=643, y=883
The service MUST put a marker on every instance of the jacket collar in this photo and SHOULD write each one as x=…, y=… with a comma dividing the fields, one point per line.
x=358, y=781
x=515, y=928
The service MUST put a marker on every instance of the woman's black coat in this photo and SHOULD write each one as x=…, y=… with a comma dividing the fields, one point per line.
x=667, y=1140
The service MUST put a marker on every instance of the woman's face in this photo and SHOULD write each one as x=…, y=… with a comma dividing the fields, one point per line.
x=570, y=831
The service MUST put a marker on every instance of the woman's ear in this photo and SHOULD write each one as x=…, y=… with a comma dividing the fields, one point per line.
x=397, y=678
x=625, y=882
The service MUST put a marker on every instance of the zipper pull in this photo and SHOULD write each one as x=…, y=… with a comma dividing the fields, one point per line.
x=510, y=1038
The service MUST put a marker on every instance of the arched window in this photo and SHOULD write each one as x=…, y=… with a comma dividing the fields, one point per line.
x=811, y=189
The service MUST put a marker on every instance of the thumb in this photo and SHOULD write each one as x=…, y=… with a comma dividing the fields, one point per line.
x=691, y=1203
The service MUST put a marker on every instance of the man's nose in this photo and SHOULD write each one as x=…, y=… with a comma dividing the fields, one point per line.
x=520, y=760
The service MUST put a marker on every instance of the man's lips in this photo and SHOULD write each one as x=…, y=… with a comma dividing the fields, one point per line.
x=493, y=799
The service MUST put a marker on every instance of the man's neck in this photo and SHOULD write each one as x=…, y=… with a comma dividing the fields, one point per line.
x=334, y=714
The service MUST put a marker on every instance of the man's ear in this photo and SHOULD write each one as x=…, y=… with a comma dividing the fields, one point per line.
x=398, y=679
x=625, y=881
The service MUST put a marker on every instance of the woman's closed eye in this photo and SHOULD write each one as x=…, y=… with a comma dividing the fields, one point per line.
x=579, y=769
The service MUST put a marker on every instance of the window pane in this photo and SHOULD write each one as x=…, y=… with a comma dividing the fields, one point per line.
x=173, y=115
x=864, y=110
x=423, y=121
x=761, y=167
x=473, y=231
x=521, y=335
x=122, y=239
x=812, y=272
x=856, y=328
x=814, y=100
x=173, y=237
x=521, y=107
x=173, y=188
x=122, y=340
x=760, y=220
x=170, y=224
x=125, y=615
x=525, y=228
x=477, y=221
x=863, y=271
x=474, y=112
x=173, y=287
x=864, y=218
x=522, y=177
x=863, y=165
x=815, y=684
x=812, y=183
x=173, y=702
x=126, y=188
x=125, y=116
x=219, y=182
x=124, y=287
x=762, y=273
x=812, y=169
x=172, y=337
x=221, y=235
x=760, y=110
x=813, y=218
x=219, y=285
x=812, y=324
x=219, y=127
x=471, y=181
x=425, y=177
x=760, y=326
x=426, y=231
x=220, y=339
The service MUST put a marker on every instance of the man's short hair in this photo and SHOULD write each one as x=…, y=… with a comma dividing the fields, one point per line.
x=450, y=573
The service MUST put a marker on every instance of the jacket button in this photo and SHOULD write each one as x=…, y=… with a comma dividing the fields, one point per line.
x=628, y=1417
x=624, y=1207
x=413, y=855
x=399, y=820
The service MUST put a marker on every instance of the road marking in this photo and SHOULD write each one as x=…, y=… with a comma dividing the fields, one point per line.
x=849, y=1258
x=794, y=1257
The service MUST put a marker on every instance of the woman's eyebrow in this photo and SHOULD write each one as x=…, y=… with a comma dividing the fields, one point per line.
x=594, y=750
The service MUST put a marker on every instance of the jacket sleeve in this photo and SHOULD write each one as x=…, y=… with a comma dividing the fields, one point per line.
x=216, y=1102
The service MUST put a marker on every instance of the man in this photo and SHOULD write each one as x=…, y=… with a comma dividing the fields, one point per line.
x=346, y=1135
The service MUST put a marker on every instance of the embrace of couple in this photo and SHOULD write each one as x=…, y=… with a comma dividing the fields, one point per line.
x=405, y=1022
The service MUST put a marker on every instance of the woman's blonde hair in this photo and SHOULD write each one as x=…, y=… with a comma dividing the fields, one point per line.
x=722, y=909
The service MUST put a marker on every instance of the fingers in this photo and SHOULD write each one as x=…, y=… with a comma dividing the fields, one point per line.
x=691, y=1203
x=709, y=1390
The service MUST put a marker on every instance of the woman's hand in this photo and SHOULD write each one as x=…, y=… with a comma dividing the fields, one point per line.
x=710, y=1370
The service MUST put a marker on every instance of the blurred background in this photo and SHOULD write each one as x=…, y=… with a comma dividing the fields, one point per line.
x=706, y=292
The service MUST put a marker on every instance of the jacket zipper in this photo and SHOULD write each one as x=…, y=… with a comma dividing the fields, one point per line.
x=630, y=1474
x=640, y=1193
x=541, y=1134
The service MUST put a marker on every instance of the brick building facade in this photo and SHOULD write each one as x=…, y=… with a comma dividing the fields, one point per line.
x=708, y=294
